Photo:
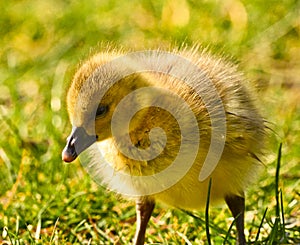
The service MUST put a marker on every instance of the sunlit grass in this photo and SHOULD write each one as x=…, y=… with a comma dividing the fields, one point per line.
x=44, y=201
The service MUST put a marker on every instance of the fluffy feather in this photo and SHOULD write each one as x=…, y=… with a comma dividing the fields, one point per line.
x=244, y=139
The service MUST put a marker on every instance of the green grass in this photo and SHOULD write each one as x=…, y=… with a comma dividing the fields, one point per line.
x=45, y=201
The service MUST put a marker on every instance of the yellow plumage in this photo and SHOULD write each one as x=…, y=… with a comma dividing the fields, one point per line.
x=244, y=139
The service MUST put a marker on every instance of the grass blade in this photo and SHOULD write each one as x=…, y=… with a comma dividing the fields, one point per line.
x=229, y=230
x=53, y=232
x=277, y=181
x=274, y=232
x=260, y=226
x=282, y=218
x=276, y=225
x=207, y=213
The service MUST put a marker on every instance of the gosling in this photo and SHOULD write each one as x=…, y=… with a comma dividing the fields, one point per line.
x=120, y=107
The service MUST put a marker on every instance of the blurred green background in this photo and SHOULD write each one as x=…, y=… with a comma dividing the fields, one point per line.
x=45, y=201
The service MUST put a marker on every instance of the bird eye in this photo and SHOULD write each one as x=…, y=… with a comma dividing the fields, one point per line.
x=101, y=110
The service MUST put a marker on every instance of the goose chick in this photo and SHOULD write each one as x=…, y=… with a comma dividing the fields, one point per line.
x=127, y=118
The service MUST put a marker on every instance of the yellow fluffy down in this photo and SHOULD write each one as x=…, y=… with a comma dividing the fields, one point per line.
x=244, y=139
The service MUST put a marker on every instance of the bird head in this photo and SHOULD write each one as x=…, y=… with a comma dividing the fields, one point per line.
x=91, y=102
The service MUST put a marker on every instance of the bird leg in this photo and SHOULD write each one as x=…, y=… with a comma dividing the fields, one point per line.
x=236, y=205
x=144, y=208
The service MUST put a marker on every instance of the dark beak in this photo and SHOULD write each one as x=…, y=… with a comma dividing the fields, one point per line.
x=77, y=142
